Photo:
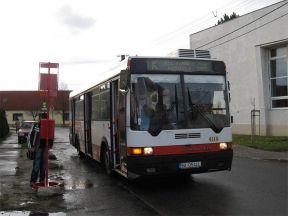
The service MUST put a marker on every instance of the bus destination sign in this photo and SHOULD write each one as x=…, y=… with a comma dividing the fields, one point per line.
x=176, y=65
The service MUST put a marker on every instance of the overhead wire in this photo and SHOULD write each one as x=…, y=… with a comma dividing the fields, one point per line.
x=188, y=25
x=247, y=7
x=241, y=27
x=249, y=31
x=205, y=20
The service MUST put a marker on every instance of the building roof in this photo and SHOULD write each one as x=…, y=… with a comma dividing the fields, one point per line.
x=31, y=100
x=281, y=3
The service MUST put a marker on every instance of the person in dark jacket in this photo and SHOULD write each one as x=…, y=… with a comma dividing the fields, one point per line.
x=39, y=146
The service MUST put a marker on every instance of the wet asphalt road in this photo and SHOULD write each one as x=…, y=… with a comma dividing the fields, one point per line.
x=253, y=187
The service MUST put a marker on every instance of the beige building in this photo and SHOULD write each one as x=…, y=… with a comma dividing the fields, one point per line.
x=26, y=105
x=255, y=49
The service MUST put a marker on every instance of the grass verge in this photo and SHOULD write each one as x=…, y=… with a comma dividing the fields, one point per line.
x=268, y=143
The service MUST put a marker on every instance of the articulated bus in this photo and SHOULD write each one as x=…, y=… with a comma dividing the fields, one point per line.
x=156, y=117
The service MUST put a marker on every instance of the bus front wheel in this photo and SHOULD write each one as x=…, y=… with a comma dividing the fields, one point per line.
x=106, y=161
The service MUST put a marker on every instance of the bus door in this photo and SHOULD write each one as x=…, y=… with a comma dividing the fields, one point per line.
x=118, y=132
x=72, y=123
x=115, y=125
x=87, y=124
x=122, y=130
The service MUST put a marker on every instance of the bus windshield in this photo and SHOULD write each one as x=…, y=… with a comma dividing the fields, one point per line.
x=166, y=102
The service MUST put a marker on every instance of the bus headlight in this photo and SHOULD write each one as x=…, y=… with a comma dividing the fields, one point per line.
x=223, y=146
x=148, y=150
x=141, y=151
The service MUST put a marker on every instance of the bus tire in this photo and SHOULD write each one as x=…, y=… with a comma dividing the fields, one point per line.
x=107, y=161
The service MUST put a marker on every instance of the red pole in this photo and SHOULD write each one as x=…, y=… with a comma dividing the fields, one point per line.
x=47, y=131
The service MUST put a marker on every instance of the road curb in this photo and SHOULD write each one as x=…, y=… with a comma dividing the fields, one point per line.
x=54, y=188
x=257, y=154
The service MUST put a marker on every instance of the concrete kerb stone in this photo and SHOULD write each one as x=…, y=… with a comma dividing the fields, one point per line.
x=50, y=191
x=54, y=188
x=244, y=151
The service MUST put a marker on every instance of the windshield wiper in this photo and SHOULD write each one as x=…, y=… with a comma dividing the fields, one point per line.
x=176, y=101
x=195, y=107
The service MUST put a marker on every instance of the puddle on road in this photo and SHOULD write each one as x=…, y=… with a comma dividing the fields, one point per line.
x=10, y=145
x=71, y=183
x=7, y=168
x=79, y=184
x=11, y=153
x=8, y=163
x=25, y=203
x=21, y=213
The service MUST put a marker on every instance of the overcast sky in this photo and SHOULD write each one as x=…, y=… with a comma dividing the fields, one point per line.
x=85, y=36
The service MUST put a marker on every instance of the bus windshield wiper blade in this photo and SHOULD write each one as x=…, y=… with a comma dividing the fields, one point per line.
x=196, y=107
x=176, y=101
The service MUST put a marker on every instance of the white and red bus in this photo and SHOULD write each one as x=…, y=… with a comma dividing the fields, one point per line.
x=156, y=117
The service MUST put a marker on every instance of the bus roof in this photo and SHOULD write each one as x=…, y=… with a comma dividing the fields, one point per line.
x=106, y=75
x=114, y=71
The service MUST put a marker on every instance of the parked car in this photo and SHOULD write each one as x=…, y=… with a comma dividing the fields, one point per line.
x=24, y=130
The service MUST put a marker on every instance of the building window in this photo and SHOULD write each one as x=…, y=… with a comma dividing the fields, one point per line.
x=17, y=116
x=279, y=77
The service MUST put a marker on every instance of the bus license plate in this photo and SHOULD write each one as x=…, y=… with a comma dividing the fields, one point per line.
x=188, y=165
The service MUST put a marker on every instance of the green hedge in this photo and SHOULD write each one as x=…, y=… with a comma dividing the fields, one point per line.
x=4, y=128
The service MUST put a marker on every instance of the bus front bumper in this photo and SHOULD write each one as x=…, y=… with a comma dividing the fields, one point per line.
x=179, y=164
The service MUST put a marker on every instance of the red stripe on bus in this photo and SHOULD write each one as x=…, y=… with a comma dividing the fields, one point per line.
x=184, y=149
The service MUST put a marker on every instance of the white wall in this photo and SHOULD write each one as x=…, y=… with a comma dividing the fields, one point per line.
x=245, y=53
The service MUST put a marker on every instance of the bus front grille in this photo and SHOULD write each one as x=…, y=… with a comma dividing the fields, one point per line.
x=187, y=135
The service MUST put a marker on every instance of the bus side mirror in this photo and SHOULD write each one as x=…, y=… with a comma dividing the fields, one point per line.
x=124, y=80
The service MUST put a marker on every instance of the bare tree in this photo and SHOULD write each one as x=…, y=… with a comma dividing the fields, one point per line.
x=63, y=99
x=63, y=103
x=35, y=110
